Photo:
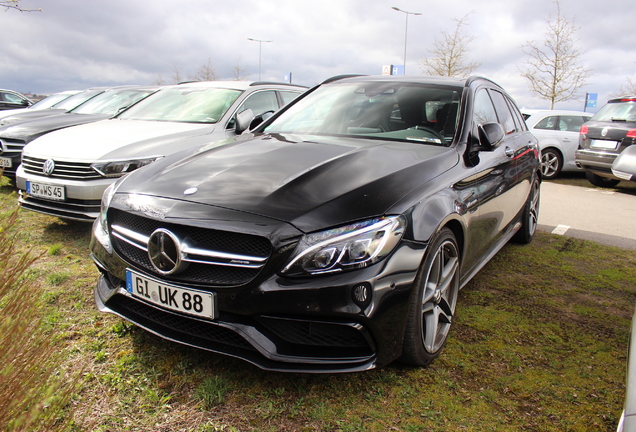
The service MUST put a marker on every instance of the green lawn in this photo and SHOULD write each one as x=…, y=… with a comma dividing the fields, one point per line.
x=539, y=344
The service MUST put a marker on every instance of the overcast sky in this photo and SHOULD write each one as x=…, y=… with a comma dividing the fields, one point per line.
x=75, y=44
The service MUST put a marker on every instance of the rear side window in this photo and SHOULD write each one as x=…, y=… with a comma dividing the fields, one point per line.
x=571, y=123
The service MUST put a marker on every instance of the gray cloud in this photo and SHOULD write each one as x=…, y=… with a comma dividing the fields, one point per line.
x=74, y=45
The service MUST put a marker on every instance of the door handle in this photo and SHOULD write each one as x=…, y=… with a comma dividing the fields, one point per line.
x=509, y=152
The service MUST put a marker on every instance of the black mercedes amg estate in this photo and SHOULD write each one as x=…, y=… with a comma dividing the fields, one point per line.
x=332, y=237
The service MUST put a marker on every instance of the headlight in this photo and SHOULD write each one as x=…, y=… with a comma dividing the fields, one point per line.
x=118, y=168
x=106, y=199
x=346, y=248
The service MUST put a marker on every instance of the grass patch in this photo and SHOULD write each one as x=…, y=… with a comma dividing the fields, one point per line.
x=539, y=344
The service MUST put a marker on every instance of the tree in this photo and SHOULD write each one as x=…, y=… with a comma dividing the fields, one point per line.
x=450, y=53
x=628, y=89
x=206, y=72
x=15, y=4
x=238, y=71
x=553, y=67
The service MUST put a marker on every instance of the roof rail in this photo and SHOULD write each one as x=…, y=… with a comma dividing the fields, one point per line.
x=339, y=77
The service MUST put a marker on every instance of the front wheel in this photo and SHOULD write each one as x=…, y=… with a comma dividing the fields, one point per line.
x=433, y=304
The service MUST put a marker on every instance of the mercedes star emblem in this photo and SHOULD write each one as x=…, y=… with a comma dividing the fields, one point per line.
x=48, y=167
x=164, y=252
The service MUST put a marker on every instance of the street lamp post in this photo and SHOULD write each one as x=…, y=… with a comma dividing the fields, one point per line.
x=260, y=45
x=406, y=29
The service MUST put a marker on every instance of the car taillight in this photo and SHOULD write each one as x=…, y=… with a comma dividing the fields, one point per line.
x=631, y=133
x=583, y=130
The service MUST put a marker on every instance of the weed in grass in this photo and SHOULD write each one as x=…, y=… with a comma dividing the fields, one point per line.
x=57, y=279
x=32, y=391
x=56, y=249
x=211, y=392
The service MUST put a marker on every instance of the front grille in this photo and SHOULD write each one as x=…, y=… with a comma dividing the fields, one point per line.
x=81, y=210
x=316, y=333
x=11, y=146
x=184, y=329
x=63, y=169
x=202, y=270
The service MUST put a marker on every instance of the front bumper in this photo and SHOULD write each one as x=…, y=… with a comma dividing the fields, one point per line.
x=82, y=201
x=308, y=325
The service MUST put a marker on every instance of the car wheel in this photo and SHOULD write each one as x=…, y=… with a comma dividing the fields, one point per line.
x=530, y=216
x=433, y=306
x=599, y=181
x=551, y=163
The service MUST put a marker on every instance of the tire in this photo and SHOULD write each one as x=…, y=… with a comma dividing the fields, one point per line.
x=599, y=181
x=530, y=215
x=551, y=163
x=433, y=301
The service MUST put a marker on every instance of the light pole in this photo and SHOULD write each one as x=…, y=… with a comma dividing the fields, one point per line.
x=260, y=45
x=406, y=29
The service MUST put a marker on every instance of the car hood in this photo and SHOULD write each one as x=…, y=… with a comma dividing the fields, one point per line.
x=31, y=129
x=27, y=114
x=111, y=138
x=310, y=182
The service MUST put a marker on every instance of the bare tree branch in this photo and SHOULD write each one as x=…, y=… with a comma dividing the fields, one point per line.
x=238, y=71
x=15, y=4
x=450, y=53
x=207, y=72
x=553, y=68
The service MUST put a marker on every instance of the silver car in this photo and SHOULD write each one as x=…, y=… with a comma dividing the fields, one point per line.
x=558, y=135
x=64, y=173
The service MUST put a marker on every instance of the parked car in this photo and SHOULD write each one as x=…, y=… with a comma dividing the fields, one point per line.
x=558, y=135
x=10, y=99
x=65, y=172
x=59, y=108
x=624, y=166
x=610, y=131
x=14, y=137
x=335, y=236
x=45, y=103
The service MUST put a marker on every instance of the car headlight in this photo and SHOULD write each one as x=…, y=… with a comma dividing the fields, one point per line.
x=118, y=168
x=346, y=248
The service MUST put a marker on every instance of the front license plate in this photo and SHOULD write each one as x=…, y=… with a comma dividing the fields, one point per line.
x=5, y=163
x=604, y=144
x=46, y=191
x=168, y=296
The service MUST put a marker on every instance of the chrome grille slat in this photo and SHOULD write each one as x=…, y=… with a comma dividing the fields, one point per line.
x=63, y=169
x=216, y=258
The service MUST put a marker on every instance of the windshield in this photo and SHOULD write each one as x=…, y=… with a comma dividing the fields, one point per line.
x=184, y=104
x=111, y=102
x=618, y=111
x=79, y=98
x=49, y=101
x=395, y=111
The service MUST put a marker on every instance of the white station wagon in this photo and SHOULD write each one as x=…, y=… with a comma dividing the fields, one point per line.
x=65, y=173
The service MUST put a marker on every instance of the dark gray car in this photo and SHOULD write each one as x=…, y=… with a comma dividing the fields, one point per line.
x=604, y=137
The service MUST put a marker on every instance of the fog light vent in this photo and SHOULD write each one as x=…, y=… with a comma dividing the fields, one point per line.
x=361, y=295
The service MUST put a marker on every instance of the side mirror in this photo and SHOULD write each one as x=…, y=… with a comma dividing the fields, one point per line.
x=243, y=120
x=261, y=118
x=490, y=136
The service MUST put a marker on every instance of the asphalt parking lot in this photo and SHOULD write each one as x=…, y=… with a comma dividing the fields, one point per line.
x=603, y=216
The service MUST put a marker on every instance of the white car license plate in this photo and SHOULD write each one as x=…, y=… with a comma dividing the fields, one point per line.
x=179, y=299
x=604, y=144
x=5, y=163
x=46, y=191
